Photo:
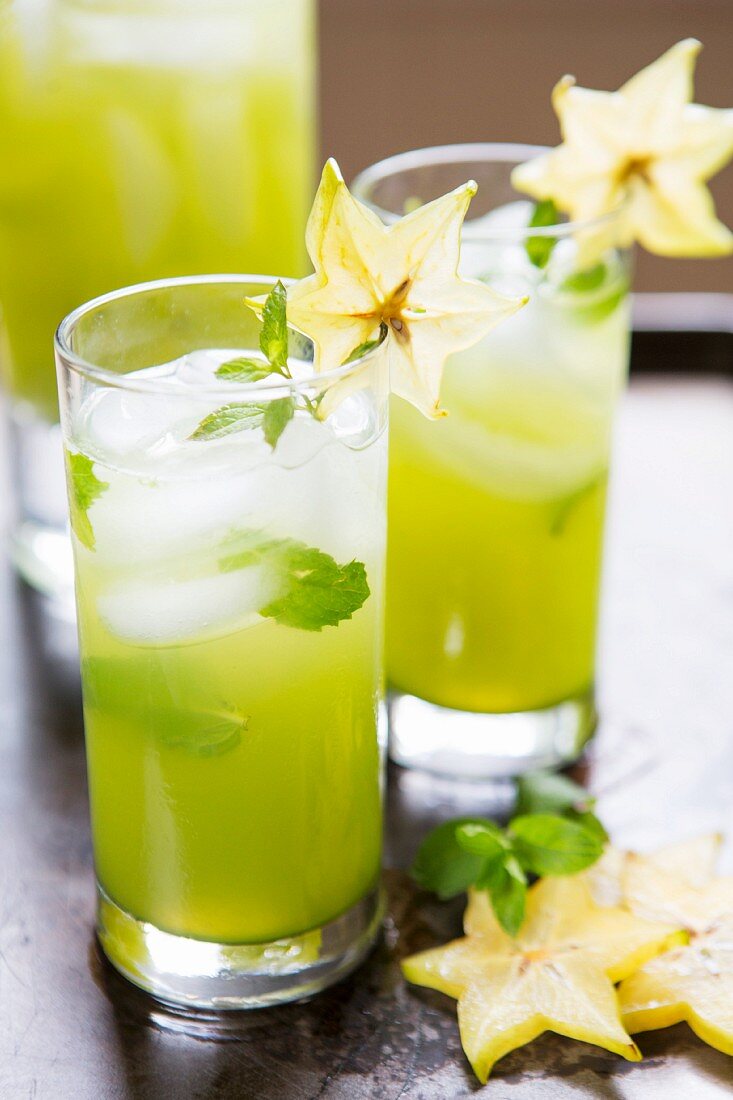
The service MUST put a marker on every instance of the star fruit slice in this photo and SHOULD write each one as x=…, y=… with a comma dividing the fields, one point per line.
x=694, y=860
x=645, y=151
x=694, y=981
x=403, y=276
x=557, y=975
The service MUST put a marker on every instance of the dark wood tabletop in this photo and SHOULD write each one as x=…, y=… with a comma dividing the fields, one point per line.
x=662, y=766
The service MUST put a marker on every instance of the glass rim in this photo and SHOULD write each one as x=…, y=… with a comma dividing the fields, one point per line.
x=95, y=373
x=487, y=152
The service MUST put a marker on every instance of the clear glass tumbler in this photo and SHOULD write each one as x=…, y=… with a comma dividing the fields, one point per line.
x=139, y=139
x=230, y=610
x=496, y=512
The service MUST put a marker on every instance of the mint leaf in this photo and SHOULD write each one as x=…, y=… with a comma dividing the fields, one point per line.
x=539, y=249
x=243, y=369
x=369, y=345
x=318, y=591
x=443, y=865
x=274, y=334
x=250, y=548
x=278, y=415
x=590, y=822
x=315, y=591
x=237, y=417
x=562, y=511
x=547, y=844
x=481, y=838
x=199, y=733
x=548, y=792
x=84, y=488
x=506, y=884
x=582, y=282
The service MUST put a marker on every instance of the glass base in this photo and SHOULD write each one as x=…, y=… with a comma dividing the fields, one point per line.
x=197, y=974
x=466, y=745
x=40, y=545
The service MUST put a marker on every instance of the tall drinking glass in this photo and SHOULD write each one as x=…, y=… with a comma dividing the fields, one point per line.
x=496, y=512
x=229, y=598
x=139, y=139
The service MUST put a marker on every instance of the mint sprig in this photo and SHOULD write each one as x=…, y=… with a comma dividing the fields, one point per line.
x=274, y=416
x=271, y=416
x=555, y=833
x=539, y=248
x=548, y=792
x=314, y=590
x=84, y=488
x=243, y=369
x=274, y=334
x=229, y=419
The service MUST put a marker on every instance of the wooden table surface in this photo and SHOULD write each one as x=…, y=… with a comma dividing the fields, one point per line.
x=662, y=766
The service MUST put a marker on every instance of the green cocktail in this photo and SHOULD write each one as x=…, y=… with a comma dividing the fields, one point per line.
x=230, y=612
x=496, y=512
x=137, y=141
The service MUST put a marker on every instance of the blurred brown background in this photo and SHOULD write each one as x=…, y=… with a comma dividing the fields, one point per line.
x=398, y=74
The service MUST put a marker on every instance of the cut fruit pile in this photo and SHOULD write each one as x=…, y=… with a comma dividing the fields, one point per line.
x=694, y=981
x=661, y=925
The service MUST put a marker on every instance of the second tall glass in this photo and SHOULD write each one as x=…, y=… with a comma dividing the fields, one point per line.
x=139, y=139
x=496, y=512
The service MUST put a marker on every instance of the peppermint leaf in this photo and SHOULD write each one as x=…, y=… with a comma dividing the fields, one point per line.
x=84, y=488
x=550, y=793
x=369, y=345
x=318, y=591
x=243, y=369
x=199, y=733
x=539, y=249
x=236, y=417
x=547, y=844
x=506, y=884
x=481, y=838
x=590, y=822
x=278, y=415
x=561, y=512
x=314, y=590
x=445, y=866
x=274, y=334
x=251, y=548
x=583, y=282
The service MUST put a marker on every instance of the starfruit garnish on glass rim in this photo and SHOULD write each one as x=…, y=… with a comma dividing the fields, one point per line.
x=557, y=975
x=645, y=152
x=403, y=276
x=693, y=982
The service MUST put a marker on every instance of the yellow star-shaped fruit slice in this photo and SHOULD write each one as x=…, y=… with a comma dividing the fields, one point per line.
x=694, y=981
x=557, y=975
x=694, y=859
x=645, y=150
x=404, y=276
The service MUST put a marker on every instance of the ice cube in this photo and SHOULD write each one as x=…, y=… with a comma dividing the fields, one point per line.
x=156, y=519
x=165, y=611
x=355, y=421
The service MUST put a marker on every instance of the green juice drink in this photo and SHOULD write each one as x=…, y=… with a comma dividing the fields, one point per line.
x=230, y=618
x=506, y=498
x=137, y=141
x=234, y=779
x=496, y=511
